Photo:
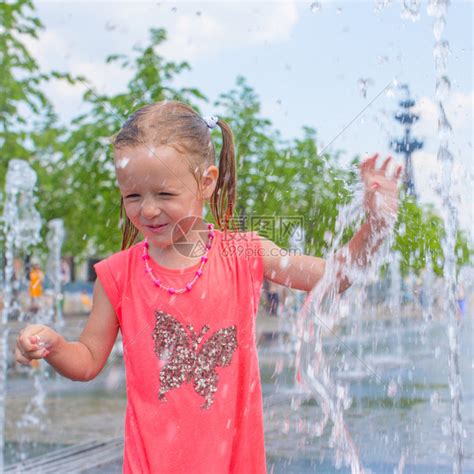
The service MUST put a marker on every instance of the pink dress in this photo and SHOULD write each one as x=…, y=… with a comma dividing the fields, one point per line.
x=194, y=402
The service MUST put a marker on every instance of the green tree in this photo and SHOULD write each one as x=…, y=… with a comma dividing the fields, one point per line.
x=316, y=186
x=255, y=149
x=282, y=180
x=24, y=108
x=419, y=232
x=29, y=129
x=20, y=95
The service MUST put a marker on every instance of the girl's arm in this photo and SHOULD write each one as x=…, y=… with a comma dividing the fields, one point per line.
x=303, y=272
x=300, y=272
x=82, y=360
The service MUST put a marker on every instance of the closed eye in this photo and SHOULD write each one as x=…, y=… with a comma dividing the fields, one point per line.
x=133, y=196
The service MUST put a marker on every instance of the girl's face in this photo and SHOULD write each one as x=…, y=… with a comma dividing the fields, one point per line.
x=159, y=191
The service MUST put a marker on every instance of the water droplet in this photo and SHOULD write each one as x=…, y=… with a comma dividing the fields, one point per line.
x=363, y=84
x=278, y=367
x=434, y=400
x=444, y=127
x=392, y=388
x=379, y=4
x=443, y=86
x=438, y=28
x=315, y=7
x=411, y=10
x=446, y=426
x=437, y=8
x=122, y=163
x=440, y=53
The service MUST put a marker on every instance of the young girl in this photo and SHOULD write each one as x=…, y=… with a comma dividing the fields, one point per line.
x=185, y=297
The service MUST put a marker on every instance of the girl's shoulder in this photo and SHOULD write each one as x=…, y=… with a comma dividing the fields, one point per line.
x=119, y=258
x=244, y=244
x=245, y=248
x=242, y=240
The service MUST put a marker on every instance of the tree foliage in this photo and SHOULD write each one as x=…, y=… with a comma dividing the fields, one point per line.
x=419, y=235
x=24, y=108
x=282, y=181
x=29, y=129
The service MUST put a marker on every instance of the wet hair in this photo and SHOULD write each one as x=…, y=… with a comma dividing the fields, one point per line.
x=178, y=125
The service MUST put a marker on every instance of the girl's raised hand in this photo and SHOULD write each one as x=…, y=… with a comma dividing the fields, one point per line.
x=35, y=341
x=381, y=191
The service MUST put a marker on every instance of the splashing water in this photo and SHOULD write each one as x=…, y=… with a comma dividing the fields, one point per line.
x=21, y=224
x=363, y=84
x=122, y=163
x=438, y=10
x=396, y=298
x=411, y=10
x=315, y=7
x=428, y=288
x=35, y=411
x=55, y=242
x=320, y=311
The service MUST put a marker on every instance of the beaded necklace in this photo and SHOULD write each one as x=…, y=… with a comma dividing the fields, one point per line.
x=188, y=287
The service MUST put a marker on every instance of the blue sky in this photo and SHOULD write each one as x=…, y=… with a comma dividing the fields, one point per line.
x=304, y=59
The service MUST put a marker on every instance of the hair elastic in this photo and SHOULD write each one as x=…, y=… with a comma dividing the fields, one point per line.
x=211, y=121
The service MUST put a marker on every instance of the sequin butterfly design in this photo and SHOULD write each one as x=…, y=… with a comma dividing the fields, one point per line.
x=187, y=362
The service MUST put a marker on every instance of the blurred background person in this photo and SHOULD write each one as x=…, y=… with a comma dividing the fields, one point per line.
x=35, y=286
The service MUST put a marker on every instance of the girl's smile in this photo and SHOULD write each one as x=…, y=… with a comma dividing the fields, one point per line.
x=157, y=229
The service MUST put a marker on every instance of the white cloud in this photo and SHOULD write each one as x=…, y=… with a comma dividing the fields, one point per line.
x=459, y=111
x=206, y=30
x=195, y=31
x=49, y=49
x=59, y=90
x=190, y=40
x=108, y=78
x=275, y=24
x=55, y=50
